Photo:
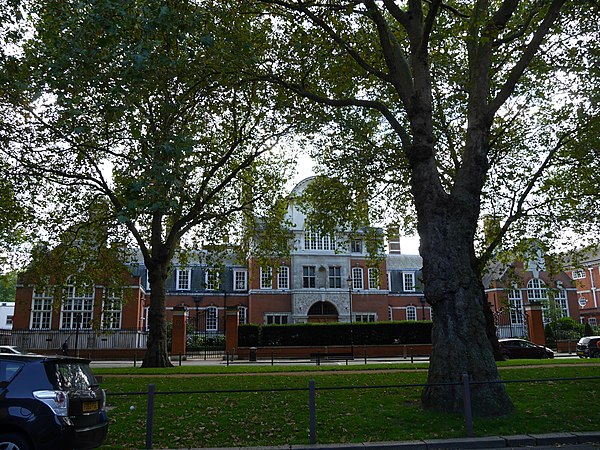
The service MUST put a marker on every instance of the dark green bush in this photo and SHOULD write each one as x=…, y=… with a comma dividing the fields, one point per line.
x=380, y=333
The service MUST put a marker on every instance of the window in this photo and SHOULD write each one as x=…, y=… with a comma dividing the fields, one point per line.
x=266, y=278
x=356, y=246
x=515, y=302
x=373, y=278
x=211, y=279
x=335, y=277
x=560, y=303
x=592, y=321
x=78, y=307
x=314, y=241
x=357, y=278
x=578, y=274
x=283, y=277
x=536, y=290
x=240, y=280
x=408, y=280
x=368, y=317
x=308, y=277
x=243, y=315
x=112, y=309
x=390, y=314
x=211, y=318
x=411, y=313
x=276, y=319
x=9, y=320
x=41, y=310
x=183, y=279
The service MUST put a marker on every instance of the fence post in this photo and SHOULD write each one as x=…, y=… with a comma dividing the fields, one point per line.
x=467, y=404
x=312, y=410
x=150, y=417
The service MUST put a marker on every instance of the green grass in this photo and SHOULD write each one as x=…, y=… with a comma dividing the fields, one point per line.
x=349, y=415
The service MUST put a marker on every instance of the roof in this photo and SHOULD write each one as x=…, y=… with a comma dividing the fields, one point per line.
x=399, y=262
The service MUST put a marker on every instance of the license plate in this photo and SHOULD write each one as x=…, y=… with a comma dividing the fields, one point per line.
x=90, y=406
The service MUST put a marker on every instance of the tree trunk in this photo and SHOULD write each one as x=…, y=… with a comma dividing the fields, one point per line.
x=156, y=349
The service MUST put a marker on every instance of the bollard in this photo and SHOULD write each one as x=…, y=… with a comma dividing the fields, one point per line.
x=312, y=411
x=467, y=405
x=150, y=417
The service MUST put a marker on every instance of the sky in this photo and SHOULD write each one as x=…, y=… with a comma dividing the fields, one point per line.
x=305, y=168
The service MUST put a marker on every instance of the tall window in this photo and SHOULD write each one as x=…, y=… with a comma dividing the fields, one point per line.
x=240, y=280
x=357, y=278
x=41, y=310
x=560, y=302
x=373, y=278
x=212, y=314
x=112, y=309
x=243, y=315
x=308, y=277
x=266, y=277
x=335, y=277
x=411, y=313
x=408, y=280
x=313, y=240
x=78, y=307
x=283, y=277
x=515, y=302
x=211, y=279
x=184, y=279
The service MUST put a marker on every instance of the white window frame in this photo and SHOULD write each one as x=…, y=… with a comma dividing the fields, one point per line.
x=309, y=277
x=183, y=279
x=79, y=302
x=211, y=280
x=578, y=274
x=356, y=246
x=266, y=278
x=243, y=315
x=313, y=240
x=592, y=321
x=240, y=280
x=515, y=302
x=212, y=318
x=41, y=310
x=276, y=319
x=283, y=277
x=536, y=290
x=357, y=278
x=561, y=303
x=373, y=276
x=408, y=281
x=411, y=313
x=112, y=309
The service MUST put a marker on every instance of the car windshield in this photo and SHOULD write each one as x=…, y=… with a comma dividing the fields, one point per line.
x=73, y=376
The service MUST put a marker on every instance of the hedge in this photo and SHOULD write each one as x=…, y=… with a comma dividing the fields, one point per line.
x=360, y=333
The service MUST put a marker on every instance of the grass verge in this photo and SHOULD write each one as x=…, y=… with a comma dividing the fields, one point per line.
x=359, y=414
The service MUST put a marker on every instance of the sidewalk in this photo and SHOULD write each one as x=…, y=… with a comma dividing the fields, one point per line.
x=579, y=441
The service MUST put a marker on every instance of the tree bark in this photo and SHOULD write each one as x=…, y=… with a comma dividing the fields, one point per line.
x=156, y=348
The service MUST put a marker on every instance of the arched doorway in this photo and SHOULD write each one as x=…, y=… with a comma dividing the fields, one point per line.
x=323, y=312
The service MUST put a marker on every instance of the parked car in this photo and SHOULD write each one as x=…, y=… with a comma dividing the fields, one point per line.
x=49, y=403
x=521, y=348
x=589, y=347
x=12, y=349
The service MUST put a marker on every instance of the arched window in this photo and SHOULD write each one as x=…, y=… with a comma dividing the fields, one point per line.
x=411, y=313
x=536, y=290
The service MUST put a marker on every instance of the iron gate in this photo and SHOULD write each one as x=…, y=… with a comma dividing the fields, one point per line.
x=511, y=323
x=205, y=334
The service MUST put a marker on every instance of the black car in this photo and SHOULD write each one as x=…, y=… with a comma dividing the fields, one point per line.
x=50, y=403
x=520, y=348
x=589, y=347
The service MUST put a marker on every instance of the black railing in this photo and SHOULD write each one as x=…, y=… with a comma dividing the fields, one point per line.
x=311, y=389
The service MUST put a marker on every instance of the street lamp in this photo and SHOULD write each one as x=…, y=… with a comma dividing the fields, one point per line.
x=351, y=322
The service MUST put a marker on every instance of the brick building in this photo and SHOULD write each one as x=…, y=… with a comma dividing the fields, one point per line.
x=587, y=282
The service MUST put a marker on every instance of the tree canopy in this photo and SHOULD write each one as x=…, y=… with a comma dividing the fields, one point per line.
x=137, y=111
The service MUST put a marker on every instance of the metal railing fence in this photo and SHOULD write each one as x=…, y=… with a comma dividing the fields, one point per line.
x=311, y=389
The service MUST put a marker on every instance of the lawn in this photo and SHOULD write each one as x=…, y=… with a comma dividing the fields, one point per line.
x=350, y=406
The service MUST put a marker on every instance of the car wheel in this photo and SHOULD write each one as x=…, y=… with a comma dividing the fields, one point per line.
x=13, y=441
